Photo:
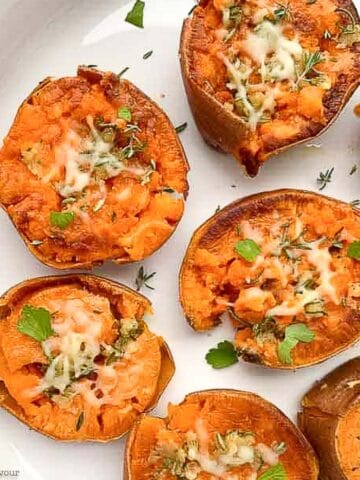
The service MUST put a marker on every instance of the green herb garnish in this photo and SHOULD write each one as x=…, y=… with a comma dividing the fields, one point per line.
x=61, y=219
x=277, y=472
x=324, y=178
x=222, y=356
x=143, y=278
x=354, y=250
x=80, y=421
x=309, y=62
x=136, y=14
x=282, y=12
x=353, y=169
x=124, y=113
x=295, y=333
x=248, y=249
x=327, y=35
x=124, y=70
x=35, y=322
x=192, y=9
x=147, y=54
x=181, y=127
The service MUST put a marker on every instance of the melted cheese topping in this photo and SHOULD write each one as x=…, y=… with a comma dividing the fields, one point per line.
x=266, y=39
x=80, y=164
x=273, y=266
x=321, y=259
x=294, y=306
x=84, y=329
x=275, y=57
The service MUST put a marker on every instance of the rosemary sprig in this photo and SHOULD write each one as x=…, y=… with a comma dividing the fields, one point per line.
x=309, y=62
x=324, y=178
x=143, y=278
x=282, y=12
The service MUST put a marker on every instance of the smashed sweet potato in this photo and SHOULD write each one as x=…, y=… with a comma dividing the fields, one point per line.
x=330, y=419
x=92, y=170
x=77, y=360
x=219, y=434
x=261, y=77
x=284, y=265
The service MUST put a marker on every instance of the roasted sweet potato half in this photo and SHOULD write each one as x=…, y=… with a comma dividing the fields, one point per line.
x=77, y=360
x=285, y=266
x=330, y=419
x=92, y=170
x=263, y=76
x=219, y=434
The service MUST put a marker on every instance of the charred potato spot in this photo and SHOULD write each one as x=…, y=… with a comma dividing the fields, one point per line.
x=216, y=434
x=330, y=419
x=263, y=76
x=77, y=360
x=92, y=170
x=277, y=263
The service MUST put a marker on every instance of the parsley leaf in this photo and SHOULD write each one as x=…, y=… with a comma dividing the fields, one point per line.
x=124, y=113
x=222, y=356
x=136, y=14
x=277, y=472
x=248, y=249
x=354, y=250
x=61, y=219
x=35, y=322
x=295, y=333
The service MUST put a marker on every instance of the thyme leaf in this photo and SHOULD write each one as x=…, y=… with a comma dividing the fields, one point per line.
x=324, y=178
x=80, y=421
x=181, y=128
x=143, y=278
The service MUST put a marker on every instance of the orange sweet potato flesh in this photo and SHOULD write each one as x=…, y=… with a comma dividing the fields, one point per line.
x=330, y=419
x=216, y=279
x=123, y=217
x=107, y=400
x=217, y=412
x=298, y=115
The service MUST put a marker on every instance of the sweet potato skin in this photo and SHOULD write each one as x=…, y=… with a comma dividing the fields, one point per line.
x=98, y=285
x=86, y=250
x=217, y=227
x=247, y=403
x=224, y=130
x=323, y=406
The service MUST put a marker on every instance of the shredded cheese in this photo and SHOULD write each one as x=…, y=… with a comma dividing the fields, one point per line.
x=321, y=259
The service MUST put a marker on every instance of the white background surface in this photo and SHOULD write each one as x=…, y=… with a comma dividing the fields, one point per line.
x=51, y=37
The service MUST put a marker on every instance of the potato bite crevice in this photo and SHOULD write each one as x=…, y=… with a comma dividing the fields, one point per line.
x=330, y=419
x=92, y=170
x=219, y=434
x=77, y=360
x=285, y=266
x=262, y=76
